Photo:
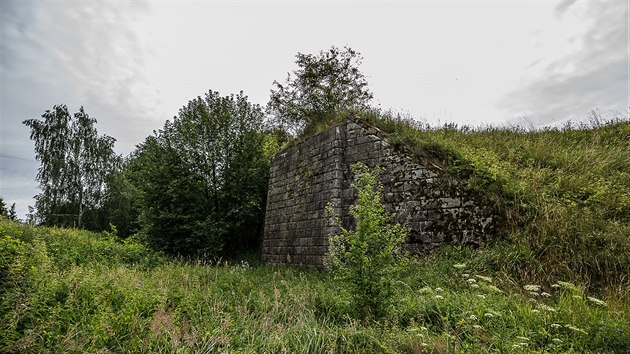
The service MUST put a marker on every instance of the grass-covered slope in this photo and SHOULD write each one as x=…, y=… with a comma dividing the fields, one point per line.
x=565, y=194
x=556, y=279
x=74, y=291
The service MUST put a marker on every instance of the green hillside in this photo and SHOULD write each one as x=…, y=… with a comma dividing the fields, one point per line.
x=565, y=195
x=555, y=280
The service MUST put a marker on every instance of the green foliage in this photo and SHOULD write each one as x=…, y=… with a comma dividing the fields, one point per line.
x=121, y=202
x=202, y=180
x=3, y=208
x=77, y=291
x=368, y=259
x=565, y=194
x=10, y=213
x=322, y=86
x=75, y=161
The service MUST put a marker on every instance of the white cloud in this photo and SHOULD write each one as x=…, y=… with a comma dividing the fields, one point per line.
x=589, y=71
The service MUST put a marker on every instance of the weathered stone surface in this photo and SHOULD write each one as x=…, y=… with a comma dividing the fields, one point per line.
x=306, y=177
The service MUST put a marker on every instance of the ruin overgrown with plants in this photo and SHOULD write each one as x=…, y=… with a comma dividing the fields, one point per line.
x=173, y=260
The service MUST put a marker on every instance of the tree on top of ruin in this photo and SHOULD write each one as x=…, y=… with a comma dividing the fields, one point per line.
x=322, y=86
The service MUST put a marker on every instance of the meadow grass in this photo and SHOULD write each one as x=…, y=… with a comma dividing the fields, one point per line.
x=65, y=291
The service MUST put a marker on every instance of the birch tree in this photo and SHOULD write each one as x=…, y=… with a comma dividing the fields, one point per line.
x=74, y=162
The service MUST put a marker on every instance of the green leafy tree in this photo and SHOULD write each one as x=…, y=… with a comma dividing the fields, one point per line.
x=203, y=177
x=173, y=201
x=121, y=202
x=12, y=214
x=31, y=216
x=368, y=259
x=3, y=208
x=75, y=161
x=322, y=86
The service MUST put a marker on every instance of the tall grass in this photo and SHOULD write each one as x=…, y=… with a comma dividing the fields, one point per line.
x=63, y=291
x=565, y=194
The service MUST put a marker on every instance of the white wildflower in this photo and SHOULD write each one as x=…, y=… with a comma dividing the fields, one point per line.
x=473, y=317
x=439, y=297
x=557, y=340
x=535, y=311
x=488, y=314
x=466, y=275
x=474, y=286
x=471, y=280
x=569, y=286
x=555, y=325
x=532, y=288
x=439, y=289
x=576, y=329
x=597, y=301
x=555, y=286
x=477, y=326
x=425, y=290
x=566, y=284
x=459, y=265
x=424, y=328
x=494, y=288
x=484, y=278
x=481, y=296
x=545, y=294
x=546, y=308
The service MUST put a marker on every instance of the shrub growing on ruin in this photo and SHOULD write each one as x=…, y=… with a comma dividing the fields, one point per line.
x=368, y=259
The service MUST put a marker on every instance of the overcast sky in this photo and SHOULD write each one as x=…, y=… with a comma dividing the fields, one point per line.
x=133, y=64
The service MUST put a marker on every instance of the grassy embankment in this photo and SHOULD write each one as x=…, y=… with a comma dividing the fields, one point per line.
x=556, y=281
x=565, y=194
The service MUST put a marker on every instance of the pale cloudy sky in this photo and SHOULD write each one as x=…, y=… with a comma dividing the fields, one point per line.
x=133, y=64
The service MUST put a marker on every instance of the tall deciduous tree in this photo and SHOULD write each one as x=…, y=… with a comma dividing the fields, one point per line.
x=3, y=208
x=322, y=85
x=75, y=161
x=120, y=205
x=12, y=214
x=203, y=177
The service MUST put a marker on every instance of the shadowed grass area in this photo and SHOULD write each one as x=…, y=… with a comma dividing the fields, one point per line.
x=63, y=291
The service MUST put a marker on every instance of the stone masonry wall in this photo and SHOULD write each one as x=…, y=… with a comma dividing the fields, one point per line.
x=303, y=179
x=306, y=177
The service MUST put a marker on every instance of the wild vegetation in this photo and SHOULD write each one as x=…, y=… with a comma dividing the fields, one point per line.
x=565, y=195
x=201, y=181
x=75, y=163
x=323, y=86
x=76, y=291
x=9, y=213
x=368, y=260
x=173, y=266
